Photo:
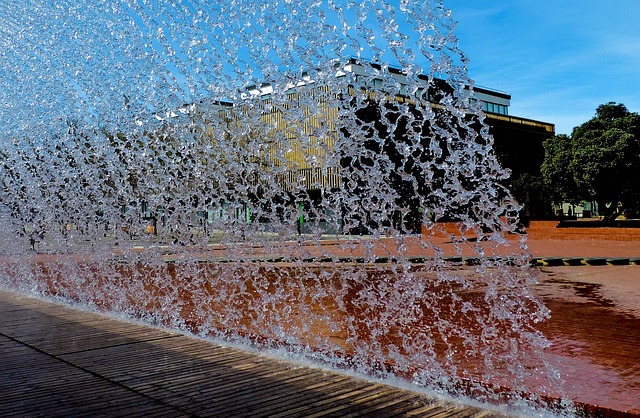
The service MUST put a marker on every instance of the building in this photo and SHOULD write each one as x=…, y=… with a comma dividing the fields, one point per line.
x=299, y=134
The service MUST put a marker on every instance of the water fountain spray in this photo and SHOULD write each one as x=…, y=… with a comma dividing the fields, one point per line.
x=275, y=173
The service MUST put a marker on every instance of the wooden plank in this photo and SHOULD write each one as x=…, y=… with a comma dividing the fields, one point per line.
x=284, y=401
x=59, y=336
x=341, y=402
x=71, y=362
x=254, y=391
x=204, y=396
x=325, y=397
x=161, y=365
x=375, y=402
x=233, y=384
x=72, y=392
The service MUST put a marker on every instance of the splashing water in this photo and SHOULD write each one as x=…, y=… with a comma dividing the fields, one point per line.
x=267, y=173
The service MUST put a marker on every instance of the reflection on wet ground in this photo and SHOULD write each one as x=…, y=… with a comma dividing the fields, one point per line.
x=595, y=343
x=593, y=330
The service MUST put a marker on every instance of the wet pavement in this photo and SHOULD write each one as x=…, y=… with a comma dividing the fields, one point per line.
x=594, y=331
x=594, y=328
x=62, y=362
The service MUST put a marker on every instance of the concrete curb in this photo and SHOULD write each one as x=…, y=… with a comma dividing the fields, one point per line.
x=589, y=261
x=452, y=260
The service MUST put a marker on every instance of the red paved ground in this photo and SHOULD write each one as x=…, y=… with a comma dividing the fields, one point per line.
x=595, y=332
x=545, y=239
x=595, y=310
x=595, y=313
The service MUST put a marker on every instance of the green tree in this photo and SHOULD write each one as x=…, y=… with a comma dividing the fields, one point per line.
x=558, y=155
x=599, y=162
x=530, y=190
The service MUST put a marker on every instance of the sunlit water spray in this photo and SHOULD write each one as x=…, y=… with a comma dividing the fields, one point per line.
x=267, y=173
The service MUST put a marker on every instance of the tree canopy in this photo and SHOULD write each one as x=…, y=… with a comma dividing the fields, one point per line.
x=599, y=162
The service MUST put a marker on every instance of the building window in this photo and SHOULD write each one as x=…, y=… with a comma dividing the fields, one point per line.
x=495, y=108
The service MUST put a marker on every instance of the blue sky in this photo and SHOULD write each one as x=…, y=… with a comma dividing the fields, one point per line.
x=559, y=59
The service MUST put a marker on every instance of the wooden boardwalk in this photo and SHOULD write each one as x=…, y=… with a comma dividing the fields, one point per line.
x=59, y=361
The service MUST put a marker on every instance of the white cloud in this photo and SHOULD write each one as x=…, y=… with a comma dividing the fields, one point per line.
x=558, y=59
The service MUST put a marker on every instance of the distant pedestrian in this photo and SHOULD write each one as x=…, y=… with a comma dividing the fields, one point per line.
x=32, y=241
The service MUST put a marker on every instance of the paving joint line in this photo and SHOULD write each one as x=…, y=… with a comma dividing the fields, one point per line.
x=168, y=337
x=98, y=375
